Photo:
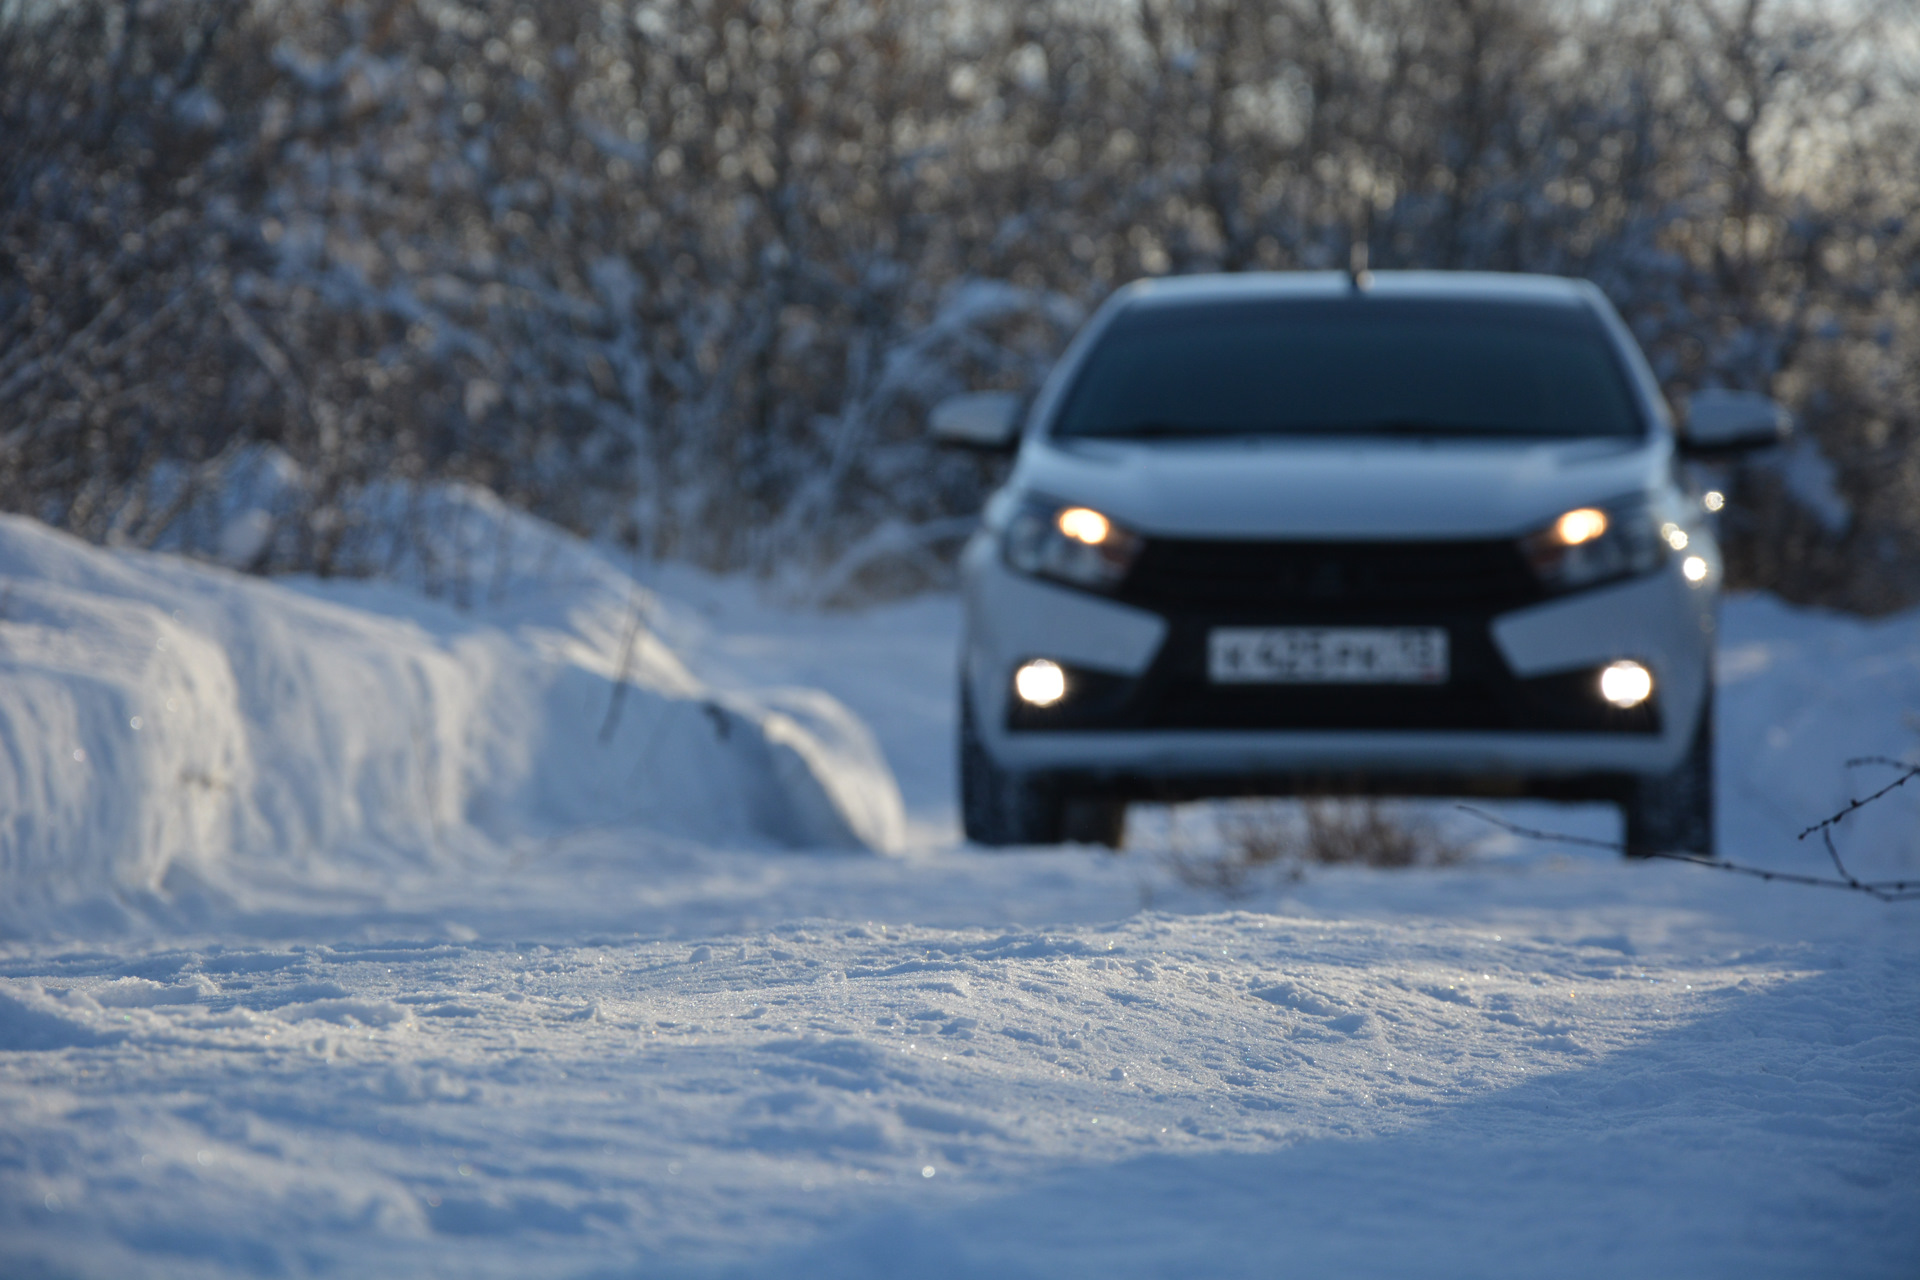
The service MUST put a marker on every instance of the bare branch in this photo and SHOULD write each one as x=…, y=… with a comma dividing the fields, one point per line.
x=1885, y=890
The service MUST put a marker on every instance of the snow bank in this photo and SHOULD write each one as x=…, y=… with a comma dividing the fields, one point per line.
x=1802, y=692
x=171, y=731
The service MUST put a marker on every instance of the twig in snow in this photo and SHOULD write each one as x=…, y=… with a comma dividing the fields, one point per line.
x=619, y=694
x=1885, y=890
x=1911, y=771
x=1826, y=826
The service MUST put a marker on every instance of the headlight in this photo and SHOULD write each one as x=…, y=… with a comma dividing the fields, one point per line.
x=1072, y=543
x=1596, y=544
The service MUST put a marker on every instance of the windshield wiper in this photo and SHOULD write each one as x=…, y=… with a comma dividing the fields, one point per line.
x=1168, y=431
x=1418, y=427
x=1406, y=427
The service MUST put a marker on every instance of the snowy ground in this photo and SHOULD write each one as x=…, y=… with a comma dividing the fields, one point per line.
x=652, y=1047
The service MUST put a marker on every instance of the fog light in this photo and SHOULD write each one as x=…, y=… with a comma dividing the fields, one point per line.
x=1695, y=568
x=1040, y=683
x=1626, y=684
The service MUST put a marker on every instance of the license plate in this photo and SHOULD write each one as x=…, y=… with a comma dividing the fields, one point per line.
x=1327, y=655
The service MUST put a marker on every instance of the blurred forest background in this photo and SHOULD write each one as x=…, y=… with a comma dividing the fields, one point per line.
x=685, y=277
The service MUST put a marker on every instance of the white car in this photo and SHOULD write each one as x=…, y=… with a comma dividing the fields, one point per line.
x=1407, y=533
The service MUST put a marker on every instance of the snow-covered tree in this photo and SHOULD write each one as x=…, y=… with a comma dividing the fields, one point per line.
x=687, y=275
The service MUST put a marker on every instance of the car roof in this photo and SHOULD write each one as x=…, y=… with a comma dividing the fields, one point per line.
x=1458, y=286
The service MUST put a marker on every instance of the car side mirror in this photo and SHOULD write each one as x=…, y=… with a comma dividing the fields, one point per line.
x=985, y=420
x=1721, y=422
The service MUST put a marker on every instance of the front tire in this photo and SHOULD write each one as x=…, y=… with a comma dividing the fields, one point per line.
x=1673, y=812
x=1002, y=807
x=1098, y=820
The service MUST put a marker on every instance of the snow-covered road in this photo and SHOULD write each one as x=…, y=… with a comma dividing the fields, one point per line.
x=1234, y=1093
x=622, y=1051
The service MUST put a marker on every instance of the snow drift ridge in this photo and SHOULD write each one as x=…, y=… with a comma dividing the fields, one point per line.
x=170, y=730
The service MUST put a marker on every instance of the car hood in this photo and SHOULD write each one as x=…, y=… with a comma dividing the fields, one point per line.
x=1319, y=488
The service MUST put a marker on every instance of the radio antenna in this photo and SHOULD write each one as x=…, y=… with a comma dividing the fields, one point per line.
x=1357, y=274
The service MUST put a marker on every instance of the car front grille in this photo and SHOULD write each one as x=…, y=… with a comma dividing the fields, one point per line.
x=1180, y=575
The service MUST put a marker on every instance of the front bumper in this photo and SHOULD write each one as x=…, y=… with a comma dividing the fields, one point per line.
x=1518, y=715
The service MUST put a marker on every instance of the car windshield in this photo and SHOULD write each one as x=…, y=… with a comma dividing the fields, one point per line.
x=1360, y=365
